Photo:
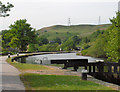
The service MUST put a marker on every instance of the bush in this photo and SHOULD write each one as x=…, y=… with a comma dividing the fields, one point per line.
x=33, y=48
x=49, y=47
x=84, y=52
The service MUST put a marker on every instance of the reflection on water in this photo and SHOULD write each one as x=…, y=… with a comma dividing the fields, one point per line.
x=45, y=59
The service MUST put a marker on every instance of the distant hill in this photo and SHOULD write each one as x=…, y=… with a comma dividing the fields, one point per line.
x=64, y=32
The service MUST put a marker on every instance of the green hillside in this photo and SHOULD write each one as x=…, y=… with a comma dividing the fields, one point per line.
x=64, y=32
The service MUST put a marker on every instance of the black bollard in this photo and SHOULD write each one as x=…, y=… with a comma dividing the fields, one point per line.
x=75, y=68
x=65, y=67
x=12, y=60
x=17, y=54
x=8, y=55
x=118, y=87
x=84, y=74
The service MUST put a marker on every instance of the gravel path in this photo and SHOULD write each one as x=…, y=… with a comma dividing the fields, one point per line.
x=10, y=76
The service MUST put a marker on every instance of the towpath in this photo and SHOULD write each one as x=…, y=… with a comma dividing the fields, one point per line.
x=9, y=76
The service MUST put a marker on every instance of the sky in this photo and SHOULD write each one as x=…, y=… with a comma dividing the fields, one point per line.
x=44, y=13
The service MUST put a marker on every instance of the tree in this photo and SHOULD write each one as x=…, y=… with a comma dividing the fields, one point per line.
x=42, y=40
x=4, y=40
x=76, y=39
x=86, y=40
x=33, y=47
x=4, y=9
x=21, y=35
x=113, y=40
x=69, y=44
x=97, y=49
x=57, y=40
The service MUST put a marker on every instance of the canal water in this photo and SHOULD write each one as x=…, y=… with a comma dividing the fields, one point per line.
x=45, y=59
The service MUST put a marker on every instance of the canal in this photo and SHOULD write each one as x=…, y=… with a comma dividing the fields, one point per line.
x=47, y=57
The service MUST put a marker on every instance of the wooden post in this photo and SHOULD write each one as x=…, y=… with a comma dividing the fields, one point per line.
x=75, y=68
x=85, y=67
x=65, y=67
x=89, y=69
x=94, y=68
x=109, y=68
x=100, y=68
x=115, y=69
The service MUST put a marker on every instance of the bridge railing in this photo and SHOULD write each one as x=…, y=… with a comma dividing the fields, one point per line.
x=103, y=67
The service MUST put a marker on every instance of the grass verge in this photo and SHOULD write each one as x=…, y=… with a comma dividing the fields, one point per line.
x=58, y=82
x=23, y=66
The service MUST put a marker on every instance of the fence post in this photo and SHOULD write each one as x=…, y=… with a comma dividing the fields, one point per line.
x=109, y=68
x=94, y=68
x=89, y=69
x=85, y=67
x=115, y=68
x=100, y=67
x=75, y=68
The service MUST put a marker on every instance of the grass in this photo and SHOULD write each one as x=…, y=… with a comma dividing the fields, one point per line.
x=23, y=66
x=58, y=82
x=64, y=32
x=58, y=65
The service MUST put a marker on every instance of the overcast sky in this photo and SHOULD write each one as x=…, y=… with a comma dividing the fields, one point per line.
x=43, y=13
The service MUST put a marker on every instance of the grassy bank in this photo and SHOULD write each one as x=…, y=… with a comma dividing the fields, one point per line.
x=23, y=66
x=58, y=82
x=64, y=32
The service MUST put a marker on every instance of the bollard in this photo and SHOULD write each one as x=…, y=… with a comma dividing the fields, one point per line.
x=84, y=74
x=75, y=68
x=12, y=60
x=8, y=55
x=118, y=87
x=40, y=61
x=17, y=54
x=65, y=67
